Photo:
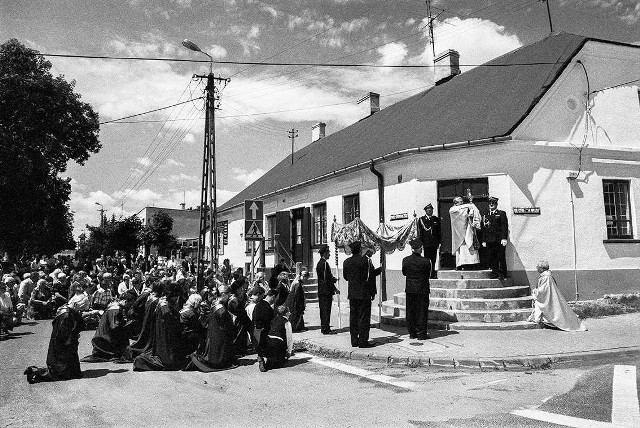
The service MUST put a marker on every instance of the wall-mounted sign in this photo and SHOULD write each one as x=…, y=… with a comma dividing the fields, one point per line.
x=526, y=210
x=402, y=216
x=223, y=229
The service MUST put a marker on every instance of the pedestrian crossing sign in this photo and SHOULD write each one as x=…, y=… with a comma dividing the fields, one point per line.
x=254, y=232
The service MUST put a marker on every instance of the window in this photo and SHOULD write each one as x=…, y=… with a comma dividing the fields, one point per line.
x=617, y=209
x=350, y=208
x=269, y=231
x=319, y=224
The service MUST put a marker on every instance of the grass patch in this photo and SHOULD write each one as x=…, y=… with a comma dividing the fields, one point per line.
x=609, y=304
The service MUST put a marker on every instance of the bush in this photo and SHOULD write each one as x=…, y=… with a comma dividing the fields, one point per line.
x=610, y=304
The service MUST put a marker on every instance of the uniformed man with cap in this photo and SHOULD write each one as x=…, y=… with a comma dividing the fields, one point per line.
x=430, y=236
x=495, y=232
x=355, y=270
x=417, y=270
x=326, y=289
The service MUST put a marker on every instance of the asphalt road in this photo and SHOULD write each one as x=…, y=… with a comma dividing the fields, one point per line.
x=309, y=392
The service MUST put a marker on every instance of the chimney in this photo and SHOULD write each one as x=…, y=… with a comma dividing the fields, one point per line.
x=447, y=65
x=374, y=104
x=317, y=131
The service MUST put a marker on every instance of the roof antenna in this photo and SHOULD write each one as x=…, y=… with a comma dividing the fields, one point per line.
x=548, y=15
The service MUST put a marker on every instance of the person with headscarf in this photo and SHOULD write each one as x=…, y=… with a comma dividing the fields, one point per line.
x=550, y=308
x=282, y=289
x=143, y=311
x=355, y=271
x=62, y=357
x=166, y=350
x=296, y=303
x=111, y=340
x=6, y=306
x=192, y=328
x=218, y=351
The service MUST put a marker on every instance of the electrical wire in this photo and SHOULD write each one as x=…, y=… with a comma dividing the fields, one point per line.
x=150, y=111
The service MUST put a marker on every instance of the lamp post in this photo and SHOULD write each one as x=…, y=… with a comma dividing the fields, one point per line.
x=208, y=195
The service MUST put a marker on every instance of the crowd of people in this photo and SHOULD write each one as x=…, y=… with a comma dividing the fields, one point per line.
x=154, y=314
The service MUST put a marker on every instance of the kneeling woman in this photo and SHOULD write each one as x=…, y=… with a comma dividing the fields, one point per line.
x=62, y=359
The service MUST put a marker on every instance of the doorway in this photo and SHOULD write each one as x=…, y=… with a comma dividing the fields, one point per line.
x=447, y=190
x=301, y=236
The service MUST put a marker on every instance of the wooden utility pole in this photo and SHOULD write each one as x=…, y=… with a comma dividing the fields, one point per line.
x=292, y=134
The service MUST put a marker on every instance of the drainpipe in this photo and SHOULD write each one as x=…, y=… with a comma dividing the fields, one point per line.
x=572, y=180
x=383, y=260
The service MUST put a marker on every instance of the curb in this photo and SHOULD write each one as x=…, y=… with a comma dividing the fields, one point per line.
x=526, y=363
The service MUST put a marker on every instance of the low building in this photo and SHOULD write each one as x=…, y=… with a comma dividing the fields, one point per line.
x=186, y=223
x=552, y=129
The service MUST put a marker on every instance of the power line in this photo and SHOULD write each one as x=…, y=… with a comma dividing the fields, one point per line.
x=150, y=111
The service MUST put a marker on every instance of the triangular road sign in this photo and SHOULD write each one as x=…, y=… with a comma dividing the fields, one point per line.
x=254, y=231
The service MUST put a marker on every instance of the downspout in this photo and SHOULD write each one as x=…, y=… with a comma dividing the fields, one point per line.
x=383, y=260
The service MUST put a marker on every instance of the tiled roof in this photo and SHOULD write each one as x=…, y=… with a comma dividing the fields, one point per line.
x=487, y=101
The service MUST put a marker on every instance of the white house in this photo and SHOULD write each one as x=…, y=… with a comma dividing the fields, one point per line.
x=552, y=129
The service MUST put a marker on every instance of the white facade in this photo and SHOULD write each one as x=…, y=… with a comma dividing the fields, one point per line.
x=556, y=160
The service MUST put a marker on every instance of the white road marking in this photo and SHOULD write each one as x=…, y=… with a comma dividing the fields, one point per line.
x=625, y=410
x=553, y=418
x=358, y=372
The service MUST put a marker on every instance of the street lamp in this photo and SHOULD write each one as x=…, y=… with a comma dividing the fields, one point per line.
x=192, y=46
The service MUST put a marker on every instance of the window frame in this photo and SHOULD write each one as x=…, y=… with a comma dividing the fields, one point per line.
x=269, y=236
x=613, y=221
x=353, y=213
x=322, y=224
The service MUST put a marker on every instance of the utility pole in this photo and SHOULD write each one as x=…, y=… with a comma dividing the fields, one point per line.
x=292, y=134
x=548, y=15
x=208, y=200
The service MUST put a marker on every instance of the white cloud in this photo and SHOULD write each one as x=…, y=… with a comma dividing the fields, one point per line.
x=189, y=138
x=145, y=161
x=247, y=177
x=174, y=162
x=180, y=177
x=217, y=52
x=254, y=32
x=271, y=10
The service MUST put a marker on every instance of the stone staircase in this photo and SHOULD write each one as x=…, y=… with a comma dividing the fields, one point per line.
x=465, y=300
x=311, y=290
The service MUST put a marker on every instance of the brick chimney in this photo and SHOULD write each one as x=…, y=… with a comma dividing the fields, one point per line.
x=317, y=131
x=447, y=65
x=373, y=106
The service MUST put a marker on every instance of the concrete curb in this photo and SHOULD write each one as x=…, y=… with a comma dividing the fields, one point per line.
x=527, y=362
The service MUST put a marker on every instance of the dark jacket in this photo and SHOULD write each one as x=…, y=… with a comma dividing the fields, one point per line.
x=429, y=231
x=326, y=280
x=417, y=269
x=495, y=227
x=354, y=271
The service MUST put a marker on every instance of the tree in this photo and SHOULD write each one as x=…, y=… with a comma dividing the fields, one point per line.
x=115, y=235
x=158, y=233
x=43, y=125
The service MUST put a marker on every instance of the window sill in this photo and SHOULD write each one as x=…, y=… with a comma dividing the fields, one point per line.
x=621, y=241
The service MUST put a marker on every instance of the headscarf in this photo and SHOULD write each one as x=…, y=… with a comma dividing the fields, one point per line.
x=192, y=303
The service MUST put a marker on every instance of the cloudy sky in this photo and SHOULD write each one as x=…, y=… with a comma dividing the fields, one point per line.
x=156, y=159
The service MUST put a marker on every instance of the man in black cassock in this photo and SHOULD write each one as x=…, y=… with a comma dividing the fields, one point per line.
x=261, y=324
x=218, y=352
x=145, y=305
x=111, y=340
x=165, y=351
x=62, y=358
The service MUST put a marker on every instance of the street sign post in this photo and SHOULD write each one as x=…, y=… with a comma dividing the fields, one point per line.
x=253, y=220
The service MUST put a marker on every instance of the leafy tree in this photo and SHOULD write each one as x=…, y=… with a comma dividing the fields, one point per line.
x=43, y=125
x=158, y=233
x=114, y=236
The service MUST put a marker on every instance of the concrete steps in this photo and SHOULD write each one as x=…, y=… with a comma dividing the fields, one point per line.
x=310, y=287
x=468, y=300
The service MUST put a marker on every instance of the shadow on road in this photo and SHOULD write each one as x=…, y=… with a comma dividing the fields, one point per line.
x=95, y=373
x=15, y=335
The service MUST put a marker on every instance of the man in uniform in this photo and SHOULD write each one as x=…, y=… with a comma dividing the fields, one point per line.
x=495, y=231
x=417, y=269
x=326, y=289
x=355, y=271
x=429, y=234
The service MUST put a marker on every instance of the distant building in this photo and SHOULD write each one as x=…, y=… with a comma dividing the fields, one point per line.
x=552, y=129
x=185, y=227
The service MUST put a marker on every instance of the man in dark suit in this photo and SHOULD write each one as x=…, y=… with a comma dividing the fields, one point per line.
x=417, y=269
x=326, y=289
x=355, y=271
x=495, y=232
x=430, y=236
x=188, y=266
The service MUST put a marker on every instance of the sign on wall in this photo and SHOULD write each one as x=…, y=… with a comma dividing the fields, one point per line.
x=526, y=210
x=253, y=220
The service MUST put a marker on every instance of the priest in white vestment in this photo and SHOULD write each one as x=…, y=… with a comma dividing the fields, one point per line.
x=465, y=222
x=550, y=308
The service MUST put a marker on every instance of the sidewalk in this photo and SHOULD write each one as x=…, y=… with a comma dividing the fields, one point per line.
x=607, y=338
